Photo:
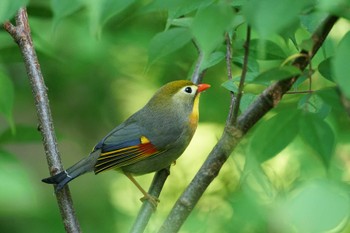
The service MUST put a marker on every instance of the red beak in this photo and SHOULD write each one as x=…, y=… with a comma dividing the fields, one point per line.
x=202, y=87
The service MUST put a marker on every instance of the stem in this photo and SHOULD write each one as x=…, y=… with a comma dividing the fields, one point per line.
x=229, y=73
x=21, y=34
x=147, y=209
x=242, y=80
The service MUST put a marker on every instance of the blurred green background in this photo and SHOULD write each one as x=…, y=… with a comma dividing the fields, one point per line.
x=97, y=76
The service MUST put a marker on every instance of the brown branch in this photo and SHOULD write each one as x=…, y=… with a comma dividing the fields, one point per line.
x=232, y=135
x=21, y=34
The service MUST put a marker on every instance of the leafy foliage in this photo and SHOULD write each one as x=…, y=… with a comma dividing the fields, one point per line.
x=97, y=79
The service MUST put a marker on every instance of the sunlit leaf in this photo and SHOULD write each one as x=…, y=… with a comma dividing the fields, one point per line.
x=341, y=67
x=209, y=33
x=272, y=16
x=278, y=73
x=6, y=98
x=318, y=135
x=273, y=135
x=167, y=42
x=8, y=8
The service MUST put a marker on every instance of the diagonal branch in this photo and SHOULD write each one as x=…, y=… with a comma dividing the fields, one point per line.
x=232, y=135
x=21, y=34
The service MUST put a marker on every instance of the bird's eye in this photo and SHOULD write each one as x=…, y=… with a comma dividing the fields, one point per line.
x=188, y=90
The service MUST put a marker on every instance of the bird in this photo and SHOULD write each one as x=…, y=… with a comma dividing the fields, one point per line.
x=148, y=141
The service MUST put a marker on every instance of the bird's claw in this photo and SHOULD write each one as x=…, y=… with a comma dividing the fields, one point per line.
x=151, y=199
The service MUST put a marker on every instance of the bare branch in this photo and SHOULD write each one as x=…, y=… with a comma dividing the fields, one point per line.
x=242, y=80
x=147, y=208
x=21, y=34
x=232, y=135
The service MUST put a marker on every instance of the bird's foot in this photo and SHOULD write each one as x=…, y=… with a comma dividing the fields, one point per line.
x=151, y=199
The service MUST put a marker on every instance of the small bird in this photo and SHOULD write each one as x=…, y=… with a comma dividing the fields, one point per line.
x=149, y=140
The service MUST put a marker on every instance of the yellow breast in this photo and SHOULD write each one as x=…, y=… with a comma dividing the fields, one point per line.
x=195, y=113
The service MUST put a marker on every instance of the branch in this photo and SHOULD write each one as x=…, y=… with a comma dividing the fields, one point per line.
x=21, y=34
x=242, y=80
x=232, y=135
x=147, y=208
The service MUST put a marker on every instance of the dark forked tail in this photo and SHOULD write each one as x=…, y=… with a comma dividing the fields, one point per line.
x=85, y=165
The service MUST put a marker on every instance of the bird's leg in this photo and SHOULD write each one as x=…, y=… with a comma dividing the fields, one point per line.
x=146, y=196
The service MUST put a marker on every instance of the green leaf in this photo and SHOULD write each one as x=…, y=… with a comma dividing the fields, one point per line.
x=214, y=59
x=318, y=135
x=272, y=16
x=341, y=67
x=278, y=73
x=185, y=7
x=101, y=11
x=335, y=7
x=167, y=42
x=23, y=134
x=273, y=135
x=209, y=26
x=250, y=78
x=64, y=8
x=312, y=20
x=266, y=50
x=312, y=103
x=330, y=96
x=180, y=22
x=8, y=8
x=252, y=64
x=230, y=85
x=247, y=99
x=6, y=98
x=325, y=69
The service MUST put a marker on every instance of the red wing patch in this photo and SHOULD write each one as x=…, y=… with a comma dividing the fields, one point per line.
x=134, y=151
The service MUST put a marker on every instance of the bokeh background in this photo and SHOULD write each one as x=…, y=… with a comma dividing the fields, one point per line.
x=96, y=79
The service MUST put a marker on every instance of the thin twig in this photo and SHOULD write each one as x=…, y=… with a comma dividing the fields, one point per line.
x=229, y=73
x=21, y=34
x=242, y=80
x=232, y=135
x=147, y=208
x=198, y=73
